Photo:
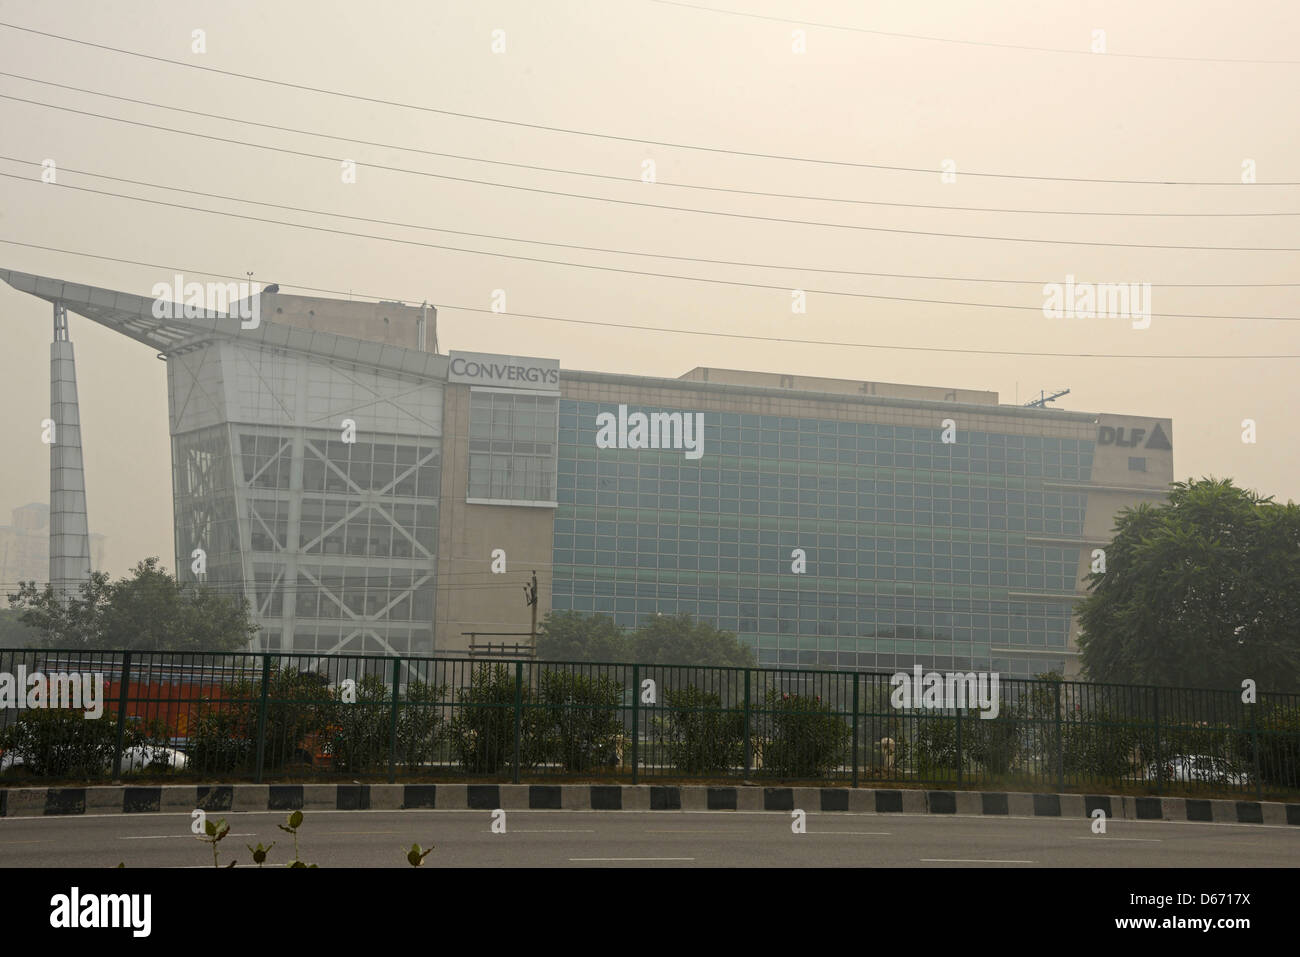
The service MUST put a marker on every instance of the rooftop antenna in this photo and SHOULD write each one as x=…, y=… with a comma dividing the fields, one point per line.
x=1044, y=398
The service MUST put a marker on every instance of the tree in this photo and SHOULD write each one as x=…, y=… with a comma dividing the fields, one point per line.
x=680, y=640
x=148, y=610
x=660, y=640
x=573, y=636
x=1201, y=591
x=13, y=633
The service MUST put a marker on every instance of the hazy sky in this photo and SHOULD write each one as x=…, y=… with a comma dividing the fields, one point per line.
x=644, y=70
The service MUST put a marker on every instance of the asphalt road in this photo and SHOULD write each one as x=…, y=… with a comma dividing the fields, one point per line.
x=647, y=839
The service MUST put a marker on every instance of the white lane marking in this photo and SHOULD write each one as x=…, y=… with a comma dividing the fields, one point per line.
x=958, y=860
x=1144, y=840
x=736, y=830
x=631, y=858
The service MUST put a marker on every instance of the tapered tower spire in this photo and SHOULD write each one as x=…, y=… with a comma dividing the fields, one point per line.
x=69, y=532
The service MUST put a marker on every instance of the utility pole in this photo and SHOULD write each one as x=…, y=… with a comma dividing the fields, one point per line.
x=530, y=598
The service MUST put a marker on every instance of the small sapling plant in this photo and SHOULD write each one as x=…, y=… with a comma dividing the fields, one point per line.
x=415, y=856
x=213, y=834
x=291, y=825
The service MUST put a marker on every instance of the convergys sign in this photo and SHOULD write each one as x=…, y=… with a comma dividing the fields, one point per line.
x=509, y=372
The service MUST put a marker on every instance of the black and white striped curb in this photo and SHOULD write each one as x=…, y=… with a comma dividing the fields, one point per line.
x=35, y=802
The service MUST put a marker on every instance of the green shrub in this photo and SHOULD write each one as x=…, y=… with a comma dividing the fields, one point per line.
x=580, y=720
x=59, y=742
x=420, y=724
x=992, y=744
x=299, y=707
x=483, y=728
x=222, y=738
x=701, y=736
x=1278, y=736
x=807, y=738
x=360, y=731
x=1101, y=745
x=934, y=748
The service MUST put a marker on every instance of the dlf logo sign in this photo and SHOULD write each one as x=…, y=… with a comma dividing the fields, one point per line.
x=1109, y=435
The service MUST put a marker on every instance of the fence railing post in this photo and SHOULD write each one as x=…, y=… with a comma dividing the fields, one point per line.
x=392, y=724
x=749, y=751
x=957, y=711
x=1254, y=747
x=1160, y=767
x=1060, y=743
x=519, y=707
x=121, y=714
x=856, y=676
x=261, y=717
x=636, y=717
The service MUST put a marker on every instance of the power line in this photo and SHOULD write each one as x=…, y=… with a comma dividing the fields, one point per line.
x=632, y=179
x=612, y=269
x=974, y=43
x=575, y=246
x=388, y=298
x=700, y=332
x=606, y=136
x=644, y=205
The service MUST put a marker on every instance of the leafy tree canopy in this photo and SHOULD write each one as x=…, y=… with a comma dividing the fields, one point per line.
x=147, y=610
x=1201, y=591
x=660, y=639
x=13, y=633
x=681, y=640
x=573, y=636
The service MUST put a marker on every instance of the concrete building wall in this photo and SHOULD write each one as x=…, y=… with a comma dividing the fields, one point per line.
x=775, y=380
x=470, y=596
x=389, y=322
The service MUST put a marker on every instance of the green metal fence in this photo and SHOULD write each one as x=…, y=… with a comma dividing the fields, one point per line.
x=250, y=717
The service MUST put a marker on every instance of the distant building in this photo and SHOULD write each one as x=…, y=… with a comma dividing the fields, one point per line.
x=25, y=548
x=364, y=493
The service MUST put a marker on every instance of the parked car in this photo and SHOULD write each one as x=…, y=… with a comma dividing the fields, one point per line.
x=1198, y=769
x=142, y=756
x=133, y=759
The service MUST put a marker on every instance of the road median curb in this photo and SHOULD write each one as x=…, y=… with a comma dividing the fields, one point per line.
x=134, y=799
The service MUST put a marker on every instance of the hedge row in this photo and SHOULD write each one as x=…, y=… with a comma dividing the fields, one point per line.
x=579, y=722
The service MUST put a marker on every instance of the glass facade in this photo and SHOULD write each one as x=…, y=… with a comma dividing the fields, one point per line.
x=913, y=547
x=329, y=531
x=511, y=446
